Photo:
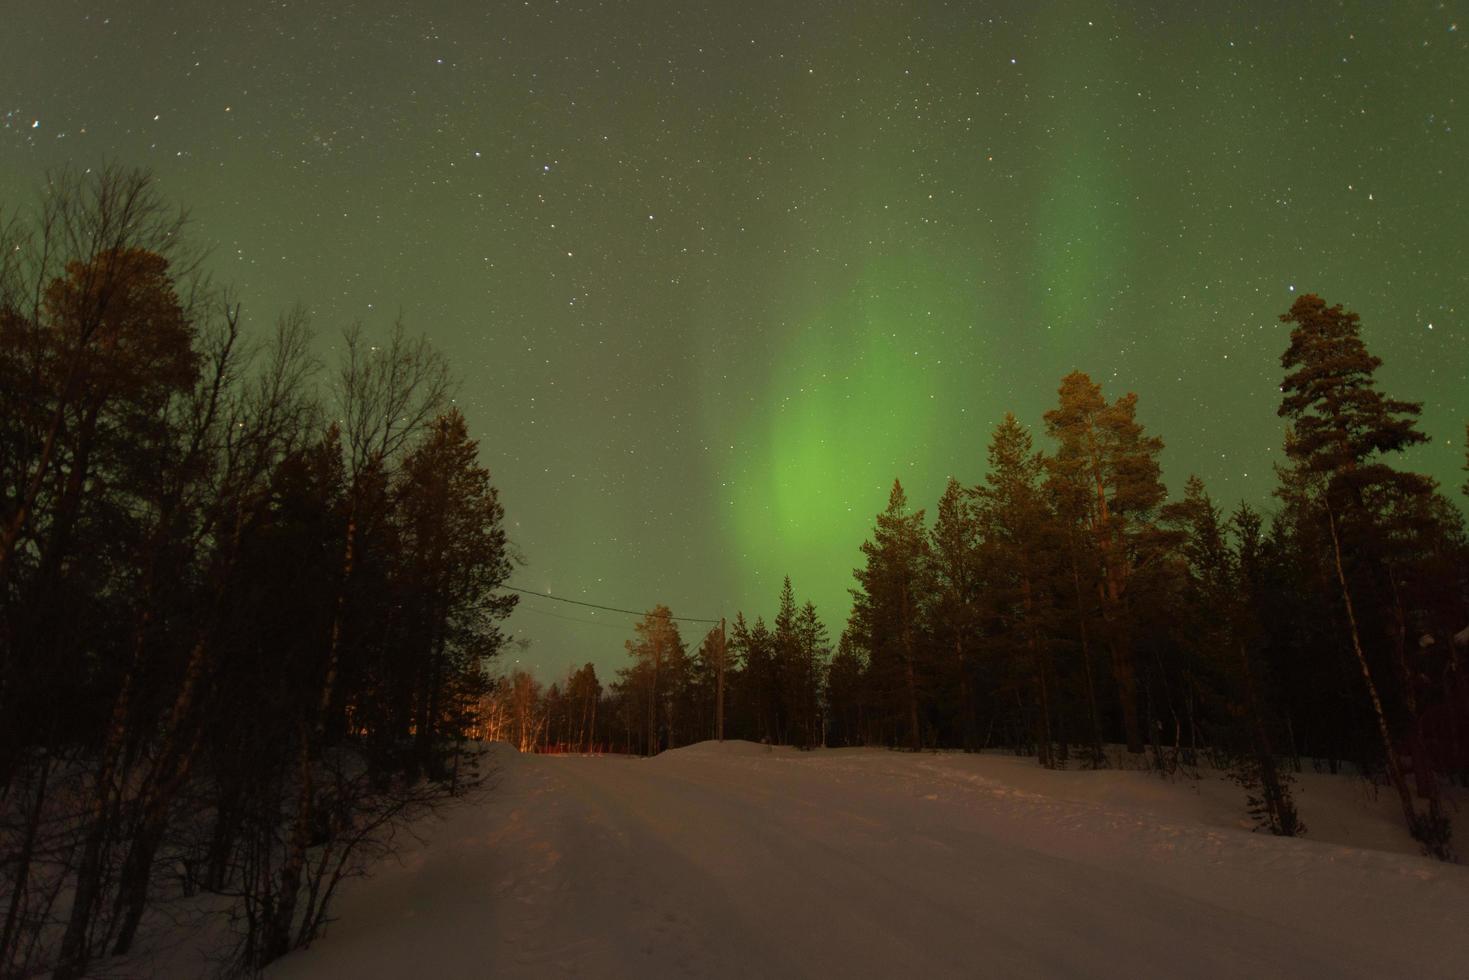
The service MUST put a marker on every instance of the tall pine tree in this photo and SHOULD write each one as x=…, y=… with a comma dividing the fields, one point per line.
x=1110, y=469
x=1341, y=429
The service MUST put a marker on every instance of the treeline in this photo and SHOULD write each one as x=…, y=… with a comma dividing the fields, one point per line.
x=245, y=601
x=1064, y=603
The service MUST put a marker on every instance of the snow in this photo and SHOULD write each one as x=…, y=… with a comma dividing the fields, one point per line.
x=734, y=859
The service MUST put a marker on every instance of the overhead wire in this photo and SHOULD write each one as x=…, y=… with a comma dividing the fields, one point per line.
x=573, y=619
x=594, y=605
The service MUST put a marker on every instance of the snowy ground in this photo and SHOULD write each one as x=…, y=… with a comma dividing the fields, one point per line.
x=735, y=860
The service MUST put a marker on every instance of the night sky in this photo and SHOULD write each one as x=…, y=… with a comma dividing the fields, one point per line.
x=713, y=274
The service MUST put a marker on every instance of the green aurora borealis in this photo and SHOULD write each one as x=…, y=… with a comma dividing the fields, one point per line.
x=714, y=274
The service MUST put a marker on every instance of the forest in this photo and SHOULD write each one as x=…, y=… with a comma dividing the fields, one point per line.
x=246, y=598
x=251, y=600
x=1064, y=604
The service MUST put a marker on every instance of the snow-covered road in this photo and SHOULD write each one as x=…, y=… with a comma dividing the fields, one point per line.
x=738, y=861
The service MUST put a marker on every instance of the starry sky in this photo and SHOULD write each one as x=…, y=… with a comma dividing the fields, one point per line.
x=713, y=274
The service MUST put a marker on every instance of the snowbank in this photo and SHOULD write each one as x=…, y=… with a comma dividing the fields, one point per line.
x=733, y=861
x=729, y=747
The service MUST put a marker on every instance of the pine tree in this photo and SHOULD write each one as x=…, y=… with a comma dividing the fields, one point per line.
x=658, y=653
x=1109, y=470
x=1341, y=422
x=1341, y=428
x=1079, y=565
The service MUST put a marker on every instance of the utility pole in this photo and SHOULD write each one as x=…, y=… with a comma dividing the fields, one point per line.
x=719, y=697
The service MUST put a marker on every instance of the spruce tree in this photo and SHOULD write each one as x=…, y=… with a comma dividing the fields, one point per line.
x=707, y=666
x=757, y=688
x=583, y=691
x=954, y=559
x=455, y=559
x=1022, y=550
x=1220, y=580
x=813, y=647
x=887, y=608
x=787, y=666
x=846, y=703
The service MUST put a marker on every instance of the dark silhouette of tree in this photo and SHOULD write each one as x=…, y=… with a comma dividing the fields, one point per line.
x=1342, y=427
x=955, y=574
x=208, y=598
x=812, y=650
x=846, y=694
x=583, y=692
x=1110, y=470
x=76, y=290
x=799, y=649
x=786, y=647
x=652, y=683
x=386, y=395
x=1221, y=582
x=759, y=680
x=1021, y=552
x=710, y=669
x=888, y=605
x=453, y=548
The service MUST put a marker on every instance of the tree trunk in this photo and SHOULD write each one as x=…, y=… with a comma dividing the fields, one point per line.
x=22, y=862
x=277, y=939
x=719, y=691
x=917, y=739
x=1043, y=727
x=222, y=840
x=966, y=699
x=917, y=736
x=1124, y=669
x=1086, y=665
x=1278, y=808
x=133, y=881
x=1394, y=766
x=1126, y=675
x=1037, y=664
x=73, y=954
x=175, y=762
x=1423, y=777
x=181, y=736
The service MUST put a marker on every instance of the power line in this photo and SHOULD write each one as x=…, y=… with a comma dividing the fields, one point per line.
x=573, y=619
x=593, y=605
